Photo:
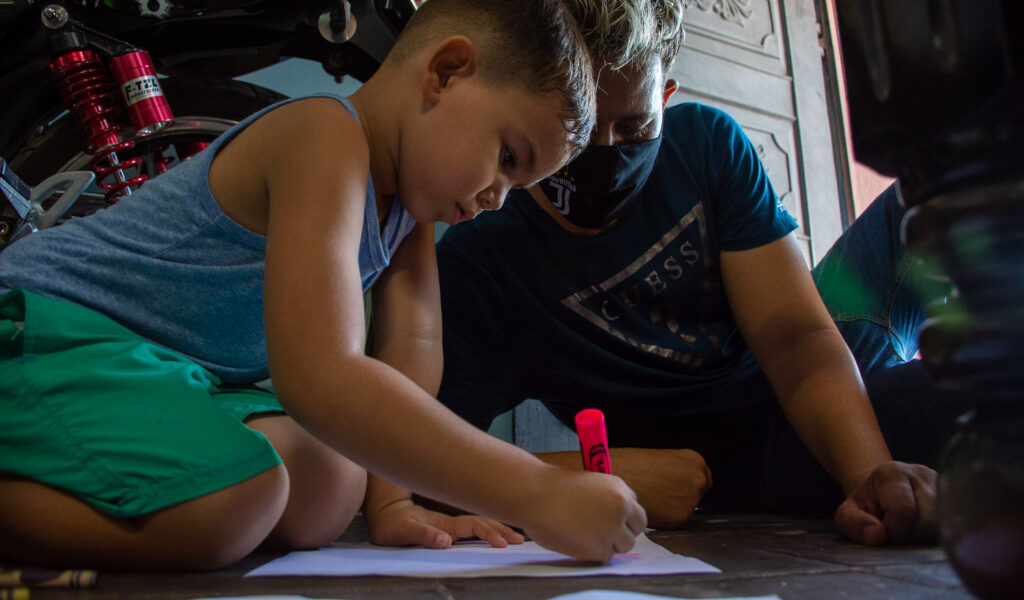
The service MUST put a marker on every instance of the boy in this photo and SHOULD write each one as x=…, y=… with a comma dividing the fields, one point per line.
x=655, y=277
x=132, y=435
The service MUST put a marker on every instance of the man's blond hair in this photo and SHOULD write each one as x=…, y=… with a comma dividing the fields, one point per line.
x=621, y=33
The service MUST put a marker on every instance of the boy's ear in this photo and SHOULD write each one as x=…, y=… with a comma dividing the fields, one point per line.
x=454, y=57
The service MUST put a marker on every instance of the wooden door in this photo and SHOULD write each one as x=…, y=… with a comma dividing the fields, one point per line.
x=761, y=62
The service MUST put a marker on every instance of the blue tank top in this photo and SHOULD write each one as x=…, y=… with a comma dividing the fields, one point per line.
x=167, y=263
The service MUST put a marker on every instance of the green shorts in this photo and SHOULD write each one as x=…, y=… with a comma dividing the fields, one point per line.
x=125, y=425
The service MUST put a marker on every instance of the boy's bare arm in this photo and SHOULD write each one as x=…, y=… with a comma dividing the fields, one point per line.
x=406, y=334
x=668, y=483
x=315, y=174
x=815, y=377
x=406, y=312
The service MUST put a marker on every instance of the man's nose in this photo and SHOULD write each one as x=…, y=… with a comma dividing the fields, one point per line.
x=603, y=136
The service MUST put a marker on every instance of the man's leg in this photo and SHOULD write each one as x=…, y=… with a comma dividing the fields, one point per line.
x=875, y=292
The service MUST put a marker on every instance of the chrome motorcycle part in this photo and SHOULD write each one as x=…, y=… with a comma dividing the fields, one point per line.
x=54, y=16
x=42, y=213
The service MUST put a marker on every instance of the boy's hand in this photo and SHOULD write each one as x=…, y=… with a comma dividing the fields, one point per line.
x=404, y=523
x=893, y=504
x=589, y=516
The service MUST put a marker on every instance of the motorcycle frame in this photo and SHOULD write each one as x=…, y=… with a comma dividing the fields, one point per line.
x=204, y=39
x=208, y=39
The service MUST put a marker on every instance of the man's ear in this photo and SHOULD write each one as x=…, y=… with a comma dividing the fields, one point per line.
x=454, y=57
x=670, y=88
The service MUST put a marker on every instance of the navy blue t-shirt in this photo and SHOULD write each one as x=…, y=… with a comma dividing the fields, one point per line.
x=634, y=320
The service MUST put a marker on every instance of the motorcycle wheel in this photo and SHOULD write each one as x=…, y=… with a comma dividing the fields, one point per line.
x=203, y=109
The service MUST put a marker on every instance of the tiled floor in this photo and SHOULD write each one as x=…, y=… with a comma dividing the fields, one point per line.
x=758, y=555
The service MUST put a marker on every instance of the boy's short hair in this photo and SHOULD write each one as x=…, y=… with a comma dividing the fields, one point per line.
x=535, y=44
x=621, y=33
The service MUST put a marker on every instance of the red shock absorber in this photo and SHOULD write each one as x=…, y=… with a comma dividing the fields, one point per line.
x=141, y=91
x=88, y=93
x=144, y=99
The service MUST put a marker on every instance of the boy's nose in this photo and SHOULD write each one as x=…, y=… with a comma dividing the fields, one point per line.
x=493, y=197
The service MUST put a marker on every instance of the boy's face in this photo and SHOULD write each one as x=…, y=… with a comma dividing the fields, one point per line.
x=476, y=143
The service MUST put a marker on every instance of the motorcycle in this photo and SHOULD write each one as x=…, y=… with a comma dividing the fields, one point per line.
x=97, y=96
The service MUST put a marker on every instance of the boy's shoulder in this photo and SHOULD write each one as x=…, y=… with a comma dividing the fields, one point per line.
x=312, y=122
x=319, y=99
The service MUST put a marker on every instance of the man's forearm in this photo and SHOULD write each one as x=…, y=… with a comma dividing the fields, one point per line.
x=669, y=483
x=821, y=392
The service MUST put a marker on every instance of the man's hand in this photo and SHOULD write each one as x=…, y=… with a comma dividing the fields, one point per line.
x=403, y=523
x=668, y=483
x=893, y=504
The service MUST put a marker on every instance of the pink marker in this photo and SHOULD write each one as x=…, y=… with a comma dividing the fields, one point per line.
x=593, y=440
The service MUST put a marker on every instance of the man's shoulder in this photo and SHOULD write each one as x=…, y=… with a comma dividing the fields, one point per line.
x=696, y=130
x=689, y=114
x=692, y=110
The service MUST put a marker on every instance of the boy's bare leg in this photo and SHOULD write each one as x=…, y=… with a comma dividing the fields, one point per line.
x=305, y=503
x=326, y=488
x=43, y=525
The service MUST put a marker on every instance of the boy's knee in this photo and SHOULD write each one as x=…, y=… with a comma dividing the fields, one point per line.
x=223, y=527
x=326, y=489
x=47, y=526
x=322, y=504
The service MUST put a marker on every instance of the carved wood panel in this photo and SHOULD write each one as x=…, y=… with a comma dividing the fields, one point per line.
x=759, y=60
x=743, y=30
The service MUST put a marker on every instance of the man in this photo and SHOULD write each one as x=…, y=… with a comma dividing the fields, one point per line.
x=656, y=277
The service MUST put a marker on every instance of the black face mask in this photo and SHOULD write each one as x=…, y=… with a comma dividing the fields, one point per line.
x=593, y=189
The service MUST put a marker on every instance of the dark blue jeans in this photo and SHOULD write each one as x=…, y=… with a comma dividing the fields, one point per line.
x=874, y=290
x=876, y=295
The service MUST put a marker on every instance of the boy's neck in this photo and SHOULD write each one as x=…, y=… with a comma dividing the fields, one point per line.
x=380, y=115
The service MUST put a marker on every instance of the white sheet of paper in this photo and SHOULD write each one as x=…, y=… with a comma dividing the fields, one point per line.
x=475, y=559
x=260, y=597
x=619, y=595
x=585, y=595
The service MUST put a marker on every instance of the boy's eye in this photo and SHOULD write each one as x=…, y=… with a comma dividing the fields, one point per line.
x=508, y=158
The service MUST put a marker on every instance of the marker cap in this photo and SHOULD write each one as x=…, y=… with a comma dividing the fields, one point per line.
x=593, y=440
